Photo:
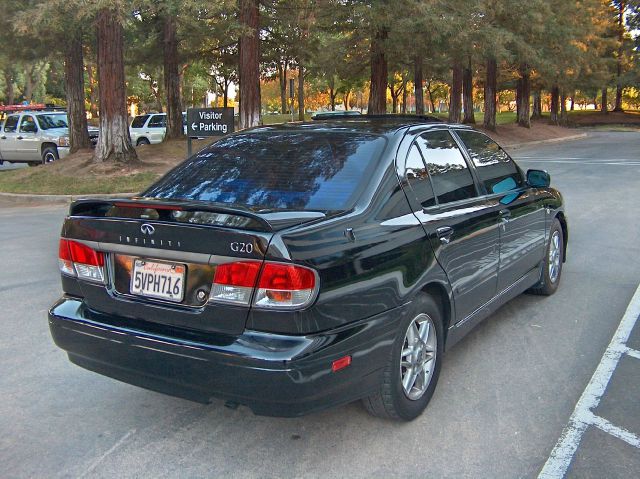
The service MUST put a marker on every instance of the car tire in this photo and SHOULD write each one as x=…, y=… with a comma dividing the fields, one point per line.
x=49, y=154
x=552, y=267
x=403, y=395
x=142, y=142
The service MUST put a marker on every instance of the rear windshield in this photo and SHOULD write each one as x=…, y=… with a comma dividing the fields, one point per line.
x=277, y=171
x=139, y=121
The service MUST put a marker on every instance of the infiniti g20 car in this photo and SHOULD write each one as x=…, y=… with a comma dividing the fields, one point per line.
x=296, y=267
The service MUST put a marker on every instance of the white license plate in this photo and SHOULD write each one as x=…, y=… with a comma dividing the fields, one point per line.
x=158, y=280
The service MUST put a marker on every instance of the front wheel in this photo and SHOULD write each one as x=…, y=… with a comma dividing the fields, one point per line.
x=411, y=374
x=49, y=154
x=552, y=268
x=142, y=142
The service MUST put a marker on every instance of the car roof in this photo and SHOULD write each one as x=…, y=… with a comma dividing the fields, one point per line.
x=377, y=124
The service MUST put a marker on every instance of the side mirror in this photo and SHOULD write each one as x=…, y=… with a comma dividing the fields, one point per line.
x=538, y=178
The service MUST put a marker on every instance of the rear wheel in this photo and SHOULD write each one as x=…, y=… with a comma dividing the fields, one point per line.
x=552, y=268
x=142, y=141
x=49, y=154
x=412, y=371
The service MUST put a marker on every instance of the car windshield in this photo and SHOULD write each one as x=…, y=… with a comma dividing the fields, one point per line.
x=58, y=120
x=277, y=171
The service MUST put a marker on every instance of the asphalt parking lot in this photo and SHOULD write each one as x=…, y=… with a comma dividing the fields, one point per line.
x=506, y=397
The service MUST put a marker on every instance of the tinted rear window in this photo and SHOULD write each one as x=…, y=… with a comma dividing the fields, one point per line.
x=277, y=171
x=139, y=121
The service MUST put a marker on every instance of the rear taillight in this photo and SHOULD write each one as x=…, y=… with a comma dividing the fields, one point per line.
x=77, y=259
x=278, y=285
x=234, y=282
x=285, y=286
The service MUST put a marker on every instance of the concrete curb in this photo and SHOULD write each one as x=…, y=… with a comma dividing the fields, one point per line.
x=23, y=199
x=515, y=146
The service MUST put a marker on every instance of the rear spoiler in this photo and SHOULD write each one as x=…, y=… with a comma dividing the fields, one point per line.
x=190, y=212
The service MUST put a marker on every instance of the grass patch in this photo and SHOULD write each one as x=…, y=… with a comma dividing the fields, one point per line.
x=40, y=181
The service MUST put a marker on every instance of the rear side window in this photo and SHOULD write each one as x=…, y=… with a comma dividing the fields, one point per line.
x=28, y=124
x=418, y=178
x=11, y=124
x=277, y=170
x=495, y=169
x=158, y=121
x=449, y=172
x=139, y=121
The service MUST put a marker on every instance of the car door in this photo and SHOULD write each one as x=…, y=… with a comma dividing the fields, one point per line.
x=462, y=227
x=8, y=138
x=522, y=213
x=27, y=141
x=156, y=128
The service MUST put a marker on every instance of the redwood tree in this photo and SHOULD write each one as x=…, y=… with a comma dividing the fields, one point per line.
x=523, y=97
x=418, y=82
x=467, y=94
x=490, y=94
x=249, y=64
x=172, y=78
x=114, y=143
x=379, y=72
x=455, y=103
x=74, y=86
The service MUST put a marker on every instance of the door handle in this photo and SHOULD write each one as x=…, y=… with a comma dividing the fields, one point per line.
x=444, y=234
x=3, y=137
x=19, y=138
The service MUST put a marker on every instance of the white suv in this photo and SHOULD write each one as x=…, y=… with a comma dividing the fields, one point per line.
x=150, y=128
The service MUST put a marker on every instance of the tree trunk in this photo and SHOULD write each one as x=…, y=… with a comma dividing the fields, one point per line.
x=332, y=98
x=555, y=101
x=394, y=100
x=172, y=79
x=378, y=92
x=621, y=31
x=564, y=118
x=524, y=109
x=431, y=100
x=605, y=102
x=455, y=103
x=404, y=95
x=417, y=84
x=249, y=64
x=114, y=143
x=573, y=102
x=10, y=92
x=74, y=86
x=595, y=102
x=490, y=94
x=347, y=94
x=467, y=95
x=300, y=91
x=537, y=105
x=27, y=94
x=282, y=77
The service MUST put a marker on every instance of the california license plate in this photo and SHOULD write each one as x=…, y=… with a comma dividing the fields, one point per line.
x=158, y=280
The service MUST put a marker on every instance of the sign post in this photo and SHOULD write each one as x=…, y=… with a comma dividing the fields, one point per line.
x=208, y=122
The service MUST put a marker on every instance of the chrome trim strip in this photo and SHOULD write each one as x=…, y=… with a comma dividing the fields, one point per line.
x=495, y=298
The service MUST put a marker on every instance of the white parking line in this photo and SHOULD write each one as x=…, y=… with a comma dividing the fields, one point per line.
x=560, y=458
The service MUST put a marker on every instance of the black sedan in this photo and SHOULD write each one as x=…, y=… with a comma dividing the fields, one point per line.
x=296, y=267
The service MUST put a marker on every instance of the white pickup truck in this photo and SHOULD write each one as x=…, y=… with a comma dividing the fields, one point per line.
x=36, y=137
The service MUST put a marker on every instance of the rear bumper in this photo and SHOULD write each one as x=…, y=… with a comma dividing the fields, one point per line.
x=274, y=375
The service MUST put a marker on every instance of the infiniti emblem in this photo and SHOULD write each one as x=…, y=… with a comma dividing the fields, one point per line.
x=147, y=229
